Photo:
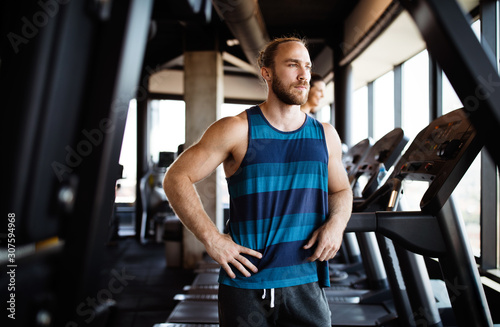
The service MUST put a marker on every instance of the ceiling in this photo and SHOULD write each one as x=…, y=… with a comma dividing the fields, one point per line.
x=177, y=26
x=190, y=25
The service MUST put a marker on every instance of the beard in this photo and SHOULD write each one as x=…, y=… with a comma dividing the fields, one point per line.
x=287, y=96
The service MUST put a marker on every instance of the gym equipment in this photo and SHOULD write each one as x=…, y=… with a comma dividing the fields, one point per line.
x=65, y=134
x=440, y=155
x=354, y=155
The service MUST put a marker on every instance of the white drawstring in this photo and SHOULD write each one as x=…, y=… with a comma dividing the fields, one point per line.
x=272, y=297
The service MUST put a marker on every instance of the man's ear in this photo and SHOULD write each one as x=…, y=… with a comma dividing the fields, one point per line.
x=266, y=73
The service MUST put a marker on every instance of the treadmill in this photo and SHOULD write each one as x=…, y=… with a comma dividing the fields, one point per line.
x=353, y=157
x=440, y=154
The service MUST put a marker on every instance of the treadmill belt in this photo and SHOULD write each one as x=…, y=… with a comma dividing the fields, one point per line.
x=185, y=325
x=202, y=289
x=196, y=297
x=345, y=314
x=206, y=313
x=344, y=296
x=195, y=312
x=206, y=279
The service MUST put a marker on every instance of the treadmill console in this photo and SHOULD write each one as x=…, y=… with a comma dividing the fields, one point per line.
x=440, y=154
x=385, y=151
x=353, y=157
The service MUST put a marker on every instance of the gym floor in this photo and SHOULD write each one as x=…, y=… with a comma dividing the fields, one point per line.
x=149, y=286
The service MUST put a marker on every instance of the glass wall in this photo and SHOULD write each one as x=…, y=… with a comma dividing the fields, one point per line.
x=359, y=130
x=415, y=113
x=467, y=194
x=168, y=126
x=414, y=116
x=125, y=192
x=383, y=105
x=415, y=94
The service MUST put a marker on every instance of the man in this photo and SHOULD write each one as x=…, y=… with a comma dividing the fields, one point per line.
x=316, y=93
x=290, y=199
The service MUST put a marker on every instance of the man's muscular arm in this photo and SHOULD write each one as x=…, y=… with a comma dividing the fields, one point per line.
x=329, y=236
x=193, y=165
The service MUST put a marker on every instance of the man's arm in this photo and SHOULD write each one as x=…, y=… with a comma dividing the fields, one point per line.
x=193, y=165
x=329, y=236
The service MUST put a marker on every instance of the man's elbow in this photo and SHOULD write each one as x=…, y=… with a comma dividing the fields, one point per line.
x=169, y=182
x=175, y=181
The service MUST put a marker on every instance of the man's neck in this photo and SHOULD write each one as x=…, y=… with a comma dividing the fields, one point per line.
x=282, y=116
x=306, y=108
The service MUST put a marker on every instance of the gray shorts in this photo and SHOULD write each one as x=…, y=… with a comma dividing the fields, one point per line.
x=302, y=305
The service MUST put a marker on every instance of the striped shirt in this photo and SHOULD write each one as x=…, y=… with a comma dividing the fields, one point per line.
x=278, y=197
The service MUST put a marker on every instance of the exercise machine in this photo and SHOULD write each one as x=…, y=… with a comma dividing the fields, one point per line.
x=440, y=155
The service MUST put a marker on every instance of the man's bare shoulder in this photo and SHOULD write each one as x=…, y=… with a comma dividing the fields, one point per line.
x=227, y=129
x=332, y=138
x=233, y=125
x=236, y=122
x=330, y=131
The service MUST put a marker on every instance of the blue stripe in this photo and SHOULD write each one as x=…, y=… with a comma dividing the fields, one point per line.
x=279, y=203
x=265, y=232
x=279, y=183
x=308, y=132
x=273, y=278
x=280, y=151
x=279, y=169
x=262, y=129
x=282, y=255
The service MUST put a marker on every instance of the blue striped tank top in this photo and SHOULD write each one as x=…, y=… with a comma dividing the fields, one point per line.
x=278, y=197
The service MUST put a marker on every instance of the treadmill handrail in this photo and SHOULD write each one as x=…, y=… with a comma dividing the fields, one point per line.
x=414, y=230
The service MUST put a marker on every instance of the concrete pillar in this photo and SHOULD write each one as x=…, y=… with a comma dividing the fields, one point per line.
x=203, y=94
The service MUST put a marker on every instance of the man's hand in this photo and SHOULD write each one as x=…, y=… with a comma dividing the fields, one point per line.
x=225, y=251
x=328, y=241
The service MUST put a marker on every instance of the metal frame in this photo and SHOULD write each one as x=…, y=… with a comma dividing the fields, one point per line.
x=435, y=89
x=468, y=66
x=489, y=181
x=472, y=70
x=78, y=75
x=111, y=84
x=371, y=95
x=398, y=95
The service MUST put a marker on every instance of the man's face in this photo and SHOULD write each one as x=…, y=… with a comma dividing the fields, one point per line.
x=291, y=73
